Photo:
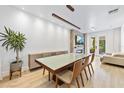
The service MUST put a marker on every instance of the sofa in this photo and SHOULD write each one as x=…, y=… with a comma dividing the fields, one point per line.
x=115, y=58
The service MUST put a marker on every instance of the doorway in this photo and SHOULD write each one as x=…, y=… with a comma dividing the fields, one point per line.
x=102, y=44
x=97, y=44
x=92, y=44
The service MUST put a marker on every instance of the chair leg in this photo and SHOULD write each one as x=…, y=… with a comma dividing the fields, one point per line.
x=56, y=82
x=82, y=80
x=43, y=71
x=86, y=73
x=20, y=74
x=49, y=76
x=77, y=83
x=69, y=85
x=92, y=68
x=89, y=70
x=10, y=77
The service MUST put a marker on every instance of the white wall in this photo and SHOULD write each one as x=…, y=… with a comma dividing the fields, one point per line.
x=41, y=35
x=122, y=38
x=0, y=67
x=112, y=36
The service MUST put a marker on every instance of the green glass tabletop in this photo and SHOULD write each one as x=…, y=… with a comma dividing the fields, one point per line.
x=56, y=62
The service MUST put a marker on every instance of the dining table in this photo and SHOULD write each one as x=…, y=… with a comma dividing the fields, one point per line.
x=58, y=63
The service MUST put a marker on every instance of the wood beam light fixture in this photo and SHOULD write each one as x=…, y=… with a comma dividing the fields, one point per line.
x=70, y=8
x=62, y=19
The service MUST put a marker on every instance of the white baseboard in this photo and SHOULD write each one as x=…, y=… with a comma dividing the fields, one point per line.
x=5, y=73
x=25, y=68
x=1, y=78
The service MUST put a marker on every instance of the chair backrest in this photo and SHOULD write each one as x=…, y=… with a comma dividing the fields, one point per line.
x=77, y=69
x=86, y=61
x=92, y=58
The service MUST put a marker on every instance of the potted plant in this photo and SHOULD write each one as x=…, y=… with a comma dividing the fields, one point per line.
x=92, y=50
x=16, y=41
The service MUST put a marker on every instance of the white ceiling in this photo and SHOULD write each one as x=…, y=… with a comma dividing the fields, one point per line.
x=89, y=18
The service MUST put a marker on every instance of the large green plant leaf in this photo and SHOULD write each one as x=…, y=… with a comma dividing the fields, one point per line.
x=12, y=40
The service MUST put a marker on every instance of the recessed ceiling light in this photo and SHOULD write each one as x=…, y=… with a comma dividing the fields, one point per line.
x=23, y=8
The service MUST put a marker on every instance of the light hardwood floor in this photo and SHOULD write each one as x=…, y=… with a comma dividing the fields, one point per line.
x=105, y=76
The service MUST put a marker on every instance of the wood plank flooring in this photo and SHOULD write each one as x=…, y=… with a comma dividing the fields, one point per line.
x=105, y=76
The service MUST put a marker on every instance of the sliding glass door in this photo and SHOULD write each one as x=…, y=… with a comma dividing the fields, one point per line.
x=92, y=44
x=102, y=44
x=97, y=44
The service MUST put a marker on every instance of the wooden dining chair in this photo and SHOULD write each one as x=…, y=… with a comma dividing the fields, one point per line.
x=68, y=76
x=84, y=65
x=90, y=64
